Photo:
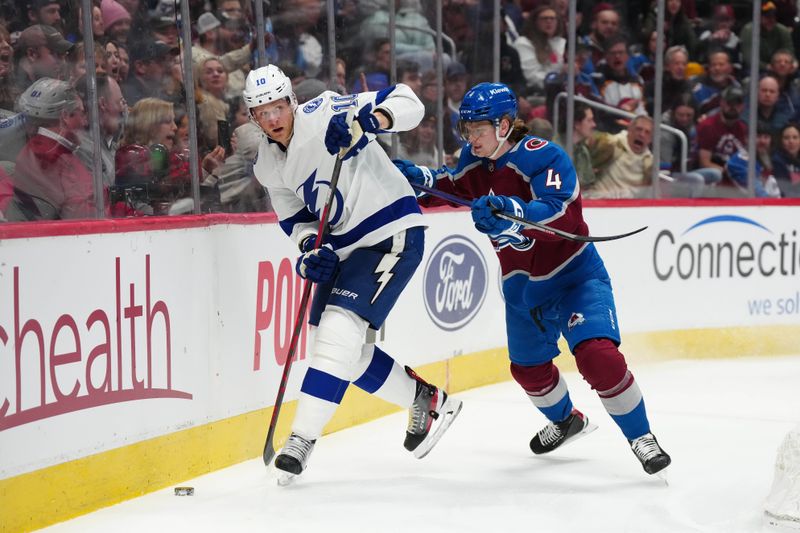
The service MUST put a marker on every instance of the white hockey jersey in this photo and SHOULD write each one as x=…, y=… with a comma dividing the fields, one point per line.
x=373, y=200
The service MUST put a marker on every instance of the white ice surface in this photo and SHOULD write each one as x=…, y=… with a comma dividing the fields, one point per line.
x=721, y=421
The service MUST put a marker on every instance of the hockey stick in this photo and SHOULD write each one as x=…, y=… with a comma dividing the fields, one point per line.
x=322, y=229
x=525, y=222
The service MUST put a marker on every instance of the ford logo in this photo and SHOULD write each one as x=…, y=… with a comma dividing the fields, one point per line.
x=455, y=283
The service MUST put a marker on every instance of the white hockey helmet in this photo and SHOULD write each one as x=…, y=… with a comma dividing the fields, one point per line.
x=46, y=98
x=268, y=84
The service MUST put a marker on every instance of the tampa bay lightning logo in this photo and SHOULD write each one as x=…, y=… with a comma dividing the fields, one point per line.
x=315, y=201
x=312, y=105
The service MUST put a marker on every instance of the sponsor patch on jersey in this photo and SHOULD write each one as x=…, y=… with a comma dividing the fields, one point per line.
x=312, y=105
x=455, y=283
x=535, y=144
x=575, y=319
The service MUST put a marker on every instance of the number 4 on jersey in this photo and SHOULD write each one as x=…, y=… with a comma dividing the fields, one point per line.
x=553, y=179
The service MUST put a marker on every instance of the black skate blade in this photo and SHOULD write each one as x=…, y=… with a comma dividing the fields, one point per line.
x=449, y=412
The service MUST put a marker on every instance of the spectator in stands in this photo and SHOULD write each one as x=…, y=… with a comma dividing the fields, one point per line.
x=112, y=59
x=584, y=83
x=76, y=61
x=113, y=110
x=456, y=82
x=305, y=91
x=681, y=116
x=783, y=67
x=540, y=127
x=774, y=36
x=294, y=31
x=163, y=22
x=98, y=28
x=540, y=48
x=419, y=145
x=240, y=191
x=147, y=152
x=628, y=173
x=721, y=135
x=786, y=161
x=211, y=103
x=618, y=87
x=765, y=185
x=586, y=155
x=674, y=82
x=605, y=24
x=643, y=63
x=230, y=9
x=116, y=19
x=678, y=27
x=720, y=36
x=40, y=51
x=8, y=89
x=150, y=61
x=210, y=44
x=718, y=76
x=124, y=62
x=414, y=33
x=774, y=110
x=374, y=75
x=47, y=12
x=51, y=181
x=408, y=72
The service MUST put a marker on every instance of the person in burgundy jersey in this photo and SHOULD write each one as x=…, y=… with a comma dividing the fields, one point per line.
x=551, y=286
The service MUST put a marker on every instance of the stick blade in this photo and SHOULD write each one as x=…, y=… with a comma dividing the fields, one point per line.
x=269, y=453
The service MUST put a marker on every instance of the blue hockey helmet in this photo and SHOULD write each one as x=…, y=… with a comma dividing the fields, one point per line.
x=488, y=101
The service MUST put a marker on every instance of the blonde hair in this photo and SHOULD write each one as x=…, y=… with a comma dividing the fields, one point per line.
x=144, y=117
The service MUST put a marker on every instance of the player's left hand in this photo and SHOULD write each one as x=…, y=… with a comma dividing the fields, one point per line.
x=338, y=136
x=483, y=214
x=368, y=121
x=317, y=265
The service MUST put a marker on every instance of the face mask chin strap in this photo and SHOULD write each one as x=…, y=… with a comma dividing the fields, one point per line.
x=500, y=140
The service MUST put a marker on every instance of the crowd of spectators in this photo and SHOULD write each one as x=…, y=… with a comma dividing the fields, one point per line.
x=48, y=154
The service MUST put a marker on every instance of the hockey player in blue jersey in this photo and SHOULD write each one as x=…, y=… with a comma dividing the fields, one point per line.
x=374, y=245
x=551, y=286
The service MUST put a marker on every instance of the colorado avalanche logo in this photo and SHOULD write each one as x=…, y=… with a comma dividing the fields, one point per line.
x=535, y=144
x=455, y=283
x=312, y=106
x=575, y=319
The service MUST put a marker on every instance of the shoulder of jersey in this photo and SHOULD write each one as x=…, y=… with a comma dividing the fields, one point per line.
x=535, y=153
x=317, y=103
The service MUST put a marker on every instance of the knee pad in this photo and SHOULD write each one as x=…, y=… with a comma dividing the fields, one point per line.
x=601, y=364
x=340, y=337
x=538, y=380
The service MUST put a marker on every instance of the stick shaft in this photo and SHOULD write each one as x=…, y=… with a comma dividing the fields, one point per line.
x=458, y=200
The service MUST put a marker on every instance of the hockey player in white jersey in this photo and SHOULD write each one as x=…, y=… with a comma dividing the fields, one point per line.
x=374, y=245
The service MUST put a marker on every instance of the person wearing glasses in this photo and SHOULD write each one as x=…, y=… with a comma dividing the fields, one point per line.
x=551, y=286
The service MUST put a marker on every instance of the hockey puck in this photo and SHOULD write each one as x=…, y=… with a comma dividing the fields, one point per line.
x=184, y=491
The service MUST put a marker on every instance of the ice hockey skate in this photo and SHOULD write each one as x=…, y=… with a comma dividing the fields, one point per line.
x=429, y=417
x=556, y=434
x=653, y=458
x=293, y=458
